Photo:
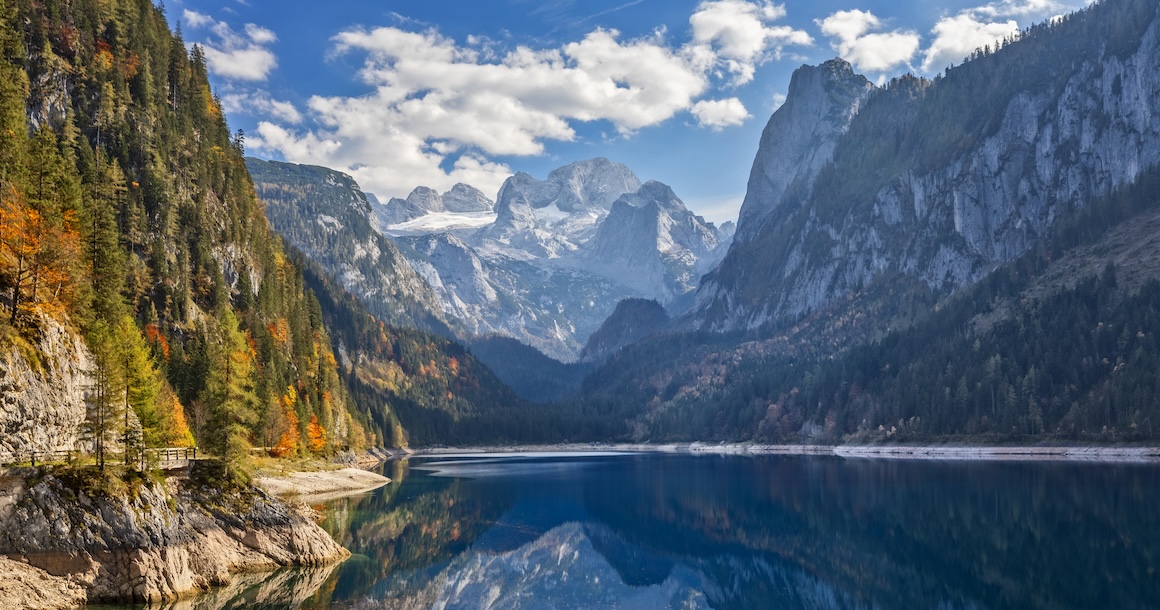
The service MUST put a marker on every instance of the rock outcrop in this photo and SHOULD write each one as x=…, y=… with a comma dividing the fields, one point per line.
x=42, y=391
x=800, y=137
x=155, y=542
x=651, y=242
x=24, y=587
x=461, y=199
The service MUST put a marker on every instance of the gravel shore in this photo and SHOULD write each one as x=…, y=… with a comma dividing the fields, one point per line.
x=322, y=484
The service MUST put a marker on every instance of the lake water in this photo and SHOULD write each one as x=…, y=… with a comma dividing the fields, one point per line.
x=676, y=531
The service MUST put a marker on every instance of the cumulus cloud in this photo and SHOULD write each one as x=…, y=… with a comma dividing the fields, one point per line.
x=259, y=103
x=778, y=101
x=857, y=39
x=718, y=114
x=234, y=55
x=438, y=111
x=743, y=34
x=957, y=36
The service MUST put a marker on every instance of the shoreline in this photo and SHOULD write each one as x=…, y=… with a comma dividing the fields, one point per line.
x=321, y=485
x=1025, y=453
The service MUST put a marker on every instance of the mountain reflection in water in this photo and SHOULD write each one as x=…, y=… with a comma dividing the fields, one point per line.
x=674, y=531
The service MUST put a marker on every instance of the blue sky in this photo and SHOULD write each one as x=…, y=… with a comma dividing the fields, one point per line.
x=406, y=93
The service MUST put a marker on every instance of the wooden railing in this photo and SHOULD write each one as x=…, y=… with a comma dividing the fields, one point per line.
x=167, y=457
x=39, y=457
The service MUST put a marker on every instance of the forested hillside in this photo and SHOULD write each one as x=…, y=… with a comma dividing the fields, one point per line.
x=129, y=217
x=1061, y=344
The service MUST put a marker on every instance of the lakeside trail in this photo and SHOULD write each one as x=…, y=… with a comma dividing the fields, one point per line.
x=1103, y=454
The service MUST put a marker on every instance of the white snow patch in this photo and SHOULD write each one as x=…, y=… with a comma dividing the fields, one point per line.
x=437, y=222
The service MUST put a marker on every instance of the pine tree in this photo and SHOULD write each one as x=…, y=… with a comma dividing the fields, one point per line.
x=101, y=415
x=232, y=402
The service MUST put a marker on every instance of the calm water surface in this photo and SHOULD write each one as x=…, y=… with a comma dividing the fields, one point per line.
x=672, y=531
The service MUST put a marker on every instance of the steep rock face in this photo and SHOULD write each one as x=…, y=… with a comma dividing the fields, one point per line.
x=550, y=307
x=939, y=184
x=464, y=198
x=557, y=214
x=633, y=320
x=326, y=215
x=461, y=199
x=800, y=137
x=651, y=241
x=162, y=542
x=42, y=397
x=421, y=201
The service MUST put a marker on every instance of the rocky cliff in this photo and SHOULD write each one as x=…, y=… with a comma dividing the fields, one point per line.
x=326, y=215
x=554, y=216
x=153, y=541
x=651, y=242
x=42, y=392
x=800, y=137
x=549, y=307
x=942, y=180
x=461, y=199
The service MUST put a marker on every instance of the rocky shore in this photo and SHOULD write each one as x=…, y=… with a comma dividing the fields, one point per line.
x=145, y=540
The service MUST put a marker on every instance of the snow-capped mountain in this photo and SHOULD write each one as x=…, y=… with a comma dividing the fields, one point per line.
x=561, y=253
x=545, y=264
x=424, y=210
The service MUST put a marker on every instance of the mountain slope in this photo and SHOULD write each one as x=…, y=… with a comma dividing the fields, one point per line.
x=156, y=249
x=1013, y=292
x=547, y=269
x=325, y=214
x=944, y=180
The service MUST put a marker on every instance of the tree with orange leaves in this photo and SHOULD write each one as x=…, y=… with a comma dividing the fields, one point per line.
x=40, y=244
x=288, y=441
x=316, y=434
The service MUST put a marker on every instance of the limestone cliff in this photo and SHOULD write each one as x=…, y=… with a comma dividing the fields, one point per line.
x=42, y=391
x=942, y=181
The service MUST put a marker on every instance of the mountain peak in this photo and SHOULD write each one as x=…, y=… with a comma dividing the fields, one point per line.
x=800, y=137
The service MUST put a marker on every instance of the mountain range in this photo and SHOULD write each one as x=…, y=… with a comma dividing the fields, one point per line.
x=548, y=265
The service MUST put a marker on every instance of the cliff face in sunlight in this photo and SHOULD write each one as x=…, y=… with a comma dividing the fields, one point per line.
x=940, y=180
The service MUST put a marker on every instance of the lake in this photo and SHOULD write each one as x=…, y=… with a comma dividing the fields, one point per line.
x=640, y=531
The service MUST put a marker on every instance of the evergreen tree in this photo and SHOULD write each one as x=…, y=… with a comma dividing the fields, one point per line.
x=232, y=402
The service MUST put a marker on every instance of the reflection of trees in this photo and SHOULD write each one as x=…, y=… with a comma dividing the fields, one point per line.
x=289, y=588
x=907, y=534
x=411, y=524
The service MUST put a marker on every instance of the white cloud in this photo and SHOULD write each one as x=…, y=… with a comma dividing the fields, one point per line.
x=196, y=19
x=259, y=103
x=235, y=55
x=777, y=101
x=438, y=111
x=857, y=40
x=957, y=37
x=719, y=114
x=743, y=35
